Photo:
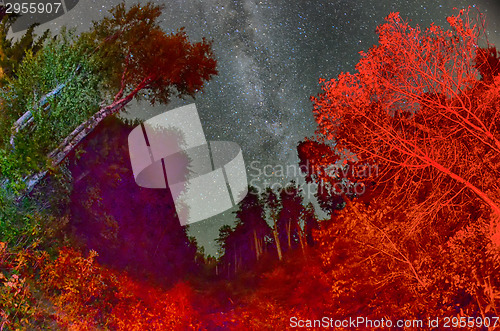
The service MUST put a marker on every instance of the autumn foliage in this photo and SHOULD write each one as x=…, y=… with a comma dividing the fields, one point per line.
x=423, y=108
x=417, y=108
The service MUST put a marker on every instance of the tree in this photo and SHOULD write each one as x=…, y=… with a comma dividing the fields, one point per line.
x=372, y=267
x=143, y=57
x=275, y=217
x=138, y=232
x=423, y=108
x=417, y=109
x=310, y=223
x=39, y=104
x=273, y=204
x=133, y=58
x=245, y=245
x=289, y=216
x=339, y=176
x=251, y=222
x=227, y=248
x=487, y=62
x=12, y=53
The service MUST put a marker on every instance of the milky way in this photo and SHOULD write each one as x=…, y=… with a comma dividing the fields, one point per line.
x=270, y=56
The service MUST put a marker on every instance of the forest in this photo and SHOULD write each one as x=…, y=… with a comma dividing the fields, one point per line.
x=413, y=234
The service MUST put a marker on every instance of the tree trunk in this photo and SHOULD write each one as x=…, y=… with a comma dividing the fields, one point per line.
x=277, y=241
x=493, y=205
x=235, y=259
x=257, y=246
x=289, y=233
x=75, y=137
x=302, y=237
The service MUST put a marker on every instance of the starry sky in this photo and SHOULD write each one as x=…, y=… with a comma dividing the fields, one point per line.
x=270, y=56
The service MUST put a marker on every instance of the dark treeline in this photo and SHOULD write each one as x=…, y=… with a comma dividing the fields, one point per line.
x=268, y=226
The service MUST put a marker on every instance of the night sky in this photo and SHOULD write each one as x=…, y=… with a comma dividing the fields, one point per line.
x=270, y=56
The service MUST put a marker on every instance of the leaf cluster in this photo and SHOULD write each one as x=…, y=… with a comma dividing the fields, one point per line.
x=134, y=49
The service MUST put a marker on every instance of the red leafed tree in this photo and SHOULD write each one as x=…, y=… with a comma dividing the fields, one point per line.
x=338, y=174
x=418, y=109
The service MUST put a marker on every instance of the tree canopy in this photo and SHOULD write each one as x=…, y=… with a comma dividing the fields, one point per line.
x=12, y=53
x=419, y=110
x=60, y=94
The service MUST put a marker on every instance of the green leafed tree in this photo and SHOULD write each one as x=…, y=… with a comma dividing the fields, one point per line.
x=34, y=120
x=13, y=52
